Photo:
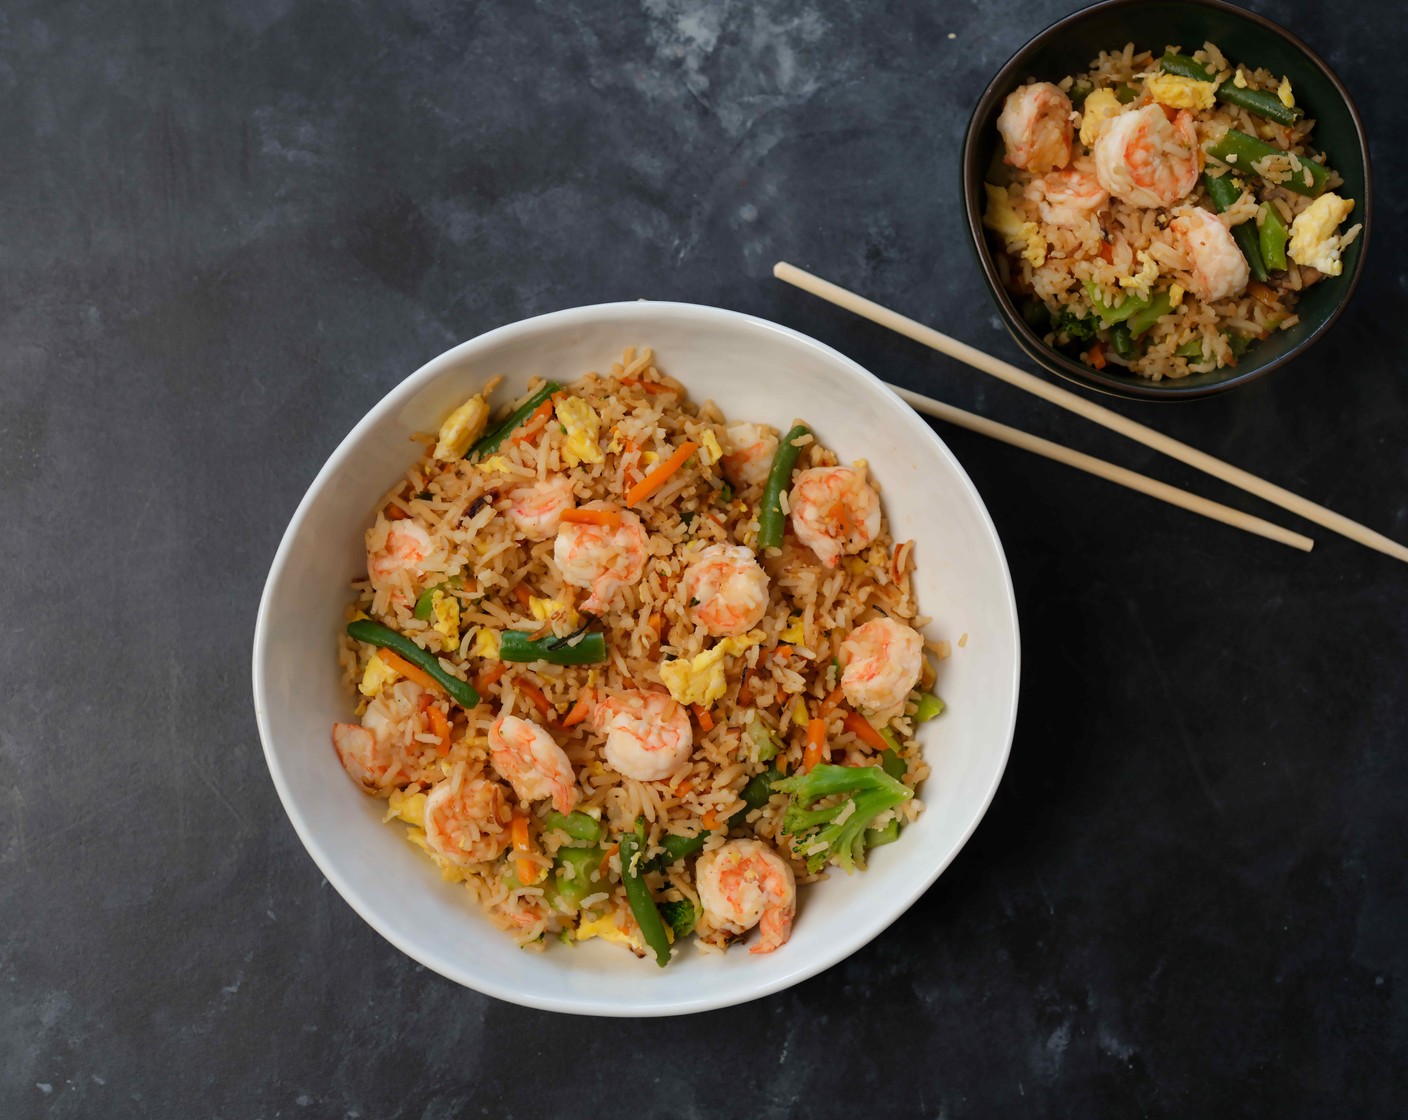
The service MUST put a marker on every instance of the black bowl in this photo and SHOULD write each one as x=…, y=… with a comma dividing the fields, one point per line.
x=1066, y=47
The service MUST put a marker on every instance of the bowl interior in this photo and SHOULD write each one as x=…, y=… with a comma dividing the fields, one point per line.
x=1244, y=38
x=752, y=369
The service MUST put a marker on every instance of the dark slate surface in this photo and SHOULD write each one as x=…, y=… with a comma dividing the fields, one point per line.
x=227, y=230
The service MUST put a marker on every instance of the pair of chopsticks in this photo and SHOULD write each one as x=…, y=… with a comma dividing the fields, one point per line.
x=1003, y=371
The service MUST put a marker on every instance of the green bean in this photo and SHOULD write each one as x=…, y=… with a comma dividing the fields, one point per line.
x=374, y=633
x=518, y=645
x=1259, y=101
x=1224, y=190
x=579, y=826
x=1125, y=93
x=1157, y=307
x=643, y=908
x=1122, y=341
x=770, y=519
x=584, y=863
x=1237, y=149
x=1272, y=236
x=490, y=442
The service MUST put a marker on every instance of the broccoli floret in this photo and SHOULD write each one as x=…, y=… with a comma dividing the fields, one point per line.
x=1074, y=327
x=867, y=790
x=680, y=916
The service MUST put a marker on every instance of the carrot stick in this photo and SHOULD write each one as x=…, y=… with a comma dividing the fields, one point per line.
x=407, y=670
x=745, y=690
x=661, y=474
x=441, y=727
x=534, y=693
x=611, y=851
x=490, y=675
x=524, y=596
x=394, y=512
x=816, y=743
x=1097, y=355
x=710, y=820
x=782, y=653
x=701, y=713
x=528, y=871
x=534, y=423
x=861, y=728
x=611, y=518
x=829, y=704
x=579, y=710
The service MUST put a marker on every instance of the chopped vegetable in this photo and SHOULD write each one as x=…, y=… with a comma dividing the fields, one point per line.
x=893, y=764
x=862, y=729
x=1122, y=340
x=572, y=888
x=1193, y=349
x=440, y=728
x=1159, y=305
x=681, y=917
x=816, y=744
x=529, y=872
x=579, y=711
x=491, y=441
x=1237, y=149
x=701, y=713
x=425, y=601
x=1073, y=326
x=928, y=707
x=611, y=518
x=770, y=516
x=1259, y=101
x=1272, y=235
x=888, y=834
x=534, y=693
x=765, y=743
x=374, y=633
x=1224, y=190
x=519, y=645
x=577, y=825
x=661, y=474
x=867, y=790
x=652, y=927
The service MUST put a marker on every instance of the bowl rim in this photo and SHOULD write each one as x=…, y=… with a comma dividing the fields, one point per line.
x=868, y=926
x=1069, y=368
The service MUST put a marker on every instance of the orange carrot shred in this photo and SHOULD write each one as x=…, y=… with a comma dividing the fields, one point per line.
x=710, y=820
x=440, y=726
x=534, y=423
x=611, y=851
x=407, y=670
x=394, y=512
x=528, y=871
x=661, y=474
x=829, y=704
x=579, y=710
x=534, y=693
x=701, y=713
x=611, y=518
x=1097, y=355
x=816, y=743
x=490, y=675
x=782, y=653
x=861, y=728
x=524, y=596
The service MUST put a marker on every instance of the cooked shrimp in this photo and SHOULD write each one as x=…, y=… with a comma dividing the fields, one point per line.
x=744, y=883
x=648, y=736
x=1067, y=198
x=751, y=448
x=371, y=752
x=834, y=512
x=1219, y=268
x=882, y=662
x=1036, y=127
x=601, y=558
x=727, y=589
x=405, y=547
x=536, y=509
x=529, y=759
x=1145, y=159
x=467, y=822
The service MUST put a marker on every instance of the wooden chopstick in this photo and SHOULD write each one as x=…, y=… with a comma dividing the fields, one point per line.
x=1106, y=470
x=1004, y=371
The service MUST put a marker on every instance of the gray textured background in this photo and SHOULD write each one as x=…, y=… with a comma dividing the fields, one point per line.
x=227, y=229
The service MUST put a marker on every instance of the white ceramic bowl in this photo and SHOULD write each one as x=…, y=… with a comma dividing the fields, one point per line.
x=754, y=370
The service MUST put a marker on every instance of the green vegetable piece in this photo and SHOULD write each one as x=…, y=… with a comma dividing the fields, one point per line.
x=490, y=441
x=1110, y=315
x=868, y=788
x=425, y=601
x=374, y=633
x=1262, y=102
x=1193, y=348
x=1035, y=315
x=677, y=847
x=929, y=707
x=572, y=888
x=1224, y=190
x=1159, y=305
x=1238, y=342
x=764, y=741
x=726, y=493
x=891, y=762
x=887, y=834
x=1073, y=326
x=1121, y=340
x=1272, y=235
x=681, y=917
x=578, y=826
x=1237, y=149
x=770, y=518
x=518, y=645
x=1125, y=93
x=1080, y=89
x=643, y=909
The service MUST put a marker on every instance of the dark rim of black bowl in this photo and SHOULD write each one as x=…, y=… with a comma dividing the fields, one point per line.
x=1131, y=386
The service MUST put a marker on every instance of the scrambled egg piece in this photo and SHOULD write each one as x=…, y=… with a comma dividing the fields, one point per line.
x=377, y=674
x=1175, y=295
x=486, y=644
x=545, y=609
x=794, y=633
x=799, y=713
x=1313, y=239
x=1144, y=279
x=700, y=679
x=1003, y=220
x=1100, y=106
x=445, y=609
x=408, y=807
x=1182, y=93
x=615, y=446
x=583, y=427
x=495, y=464
x=605, y=928
x=1239, y=79
x=709, y=450
x=1284, y=92
x=461, y=428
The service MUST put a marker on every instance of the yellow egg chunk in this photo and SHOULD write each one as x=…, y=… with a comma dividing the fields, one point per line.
x=408, y=807
x=583, y=428
x=376, y=675
x=461, y=428
x=495, y=464
x=1283, y=91
x=1003, y=220
x=1144, y=279
x=709, y=450
x=605, y=928
x=795, y=632
x=446, y=611
x=486, y=644
x=1313, y=239
x=1100, y=106
x=701, y=679
x=1181, y=93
